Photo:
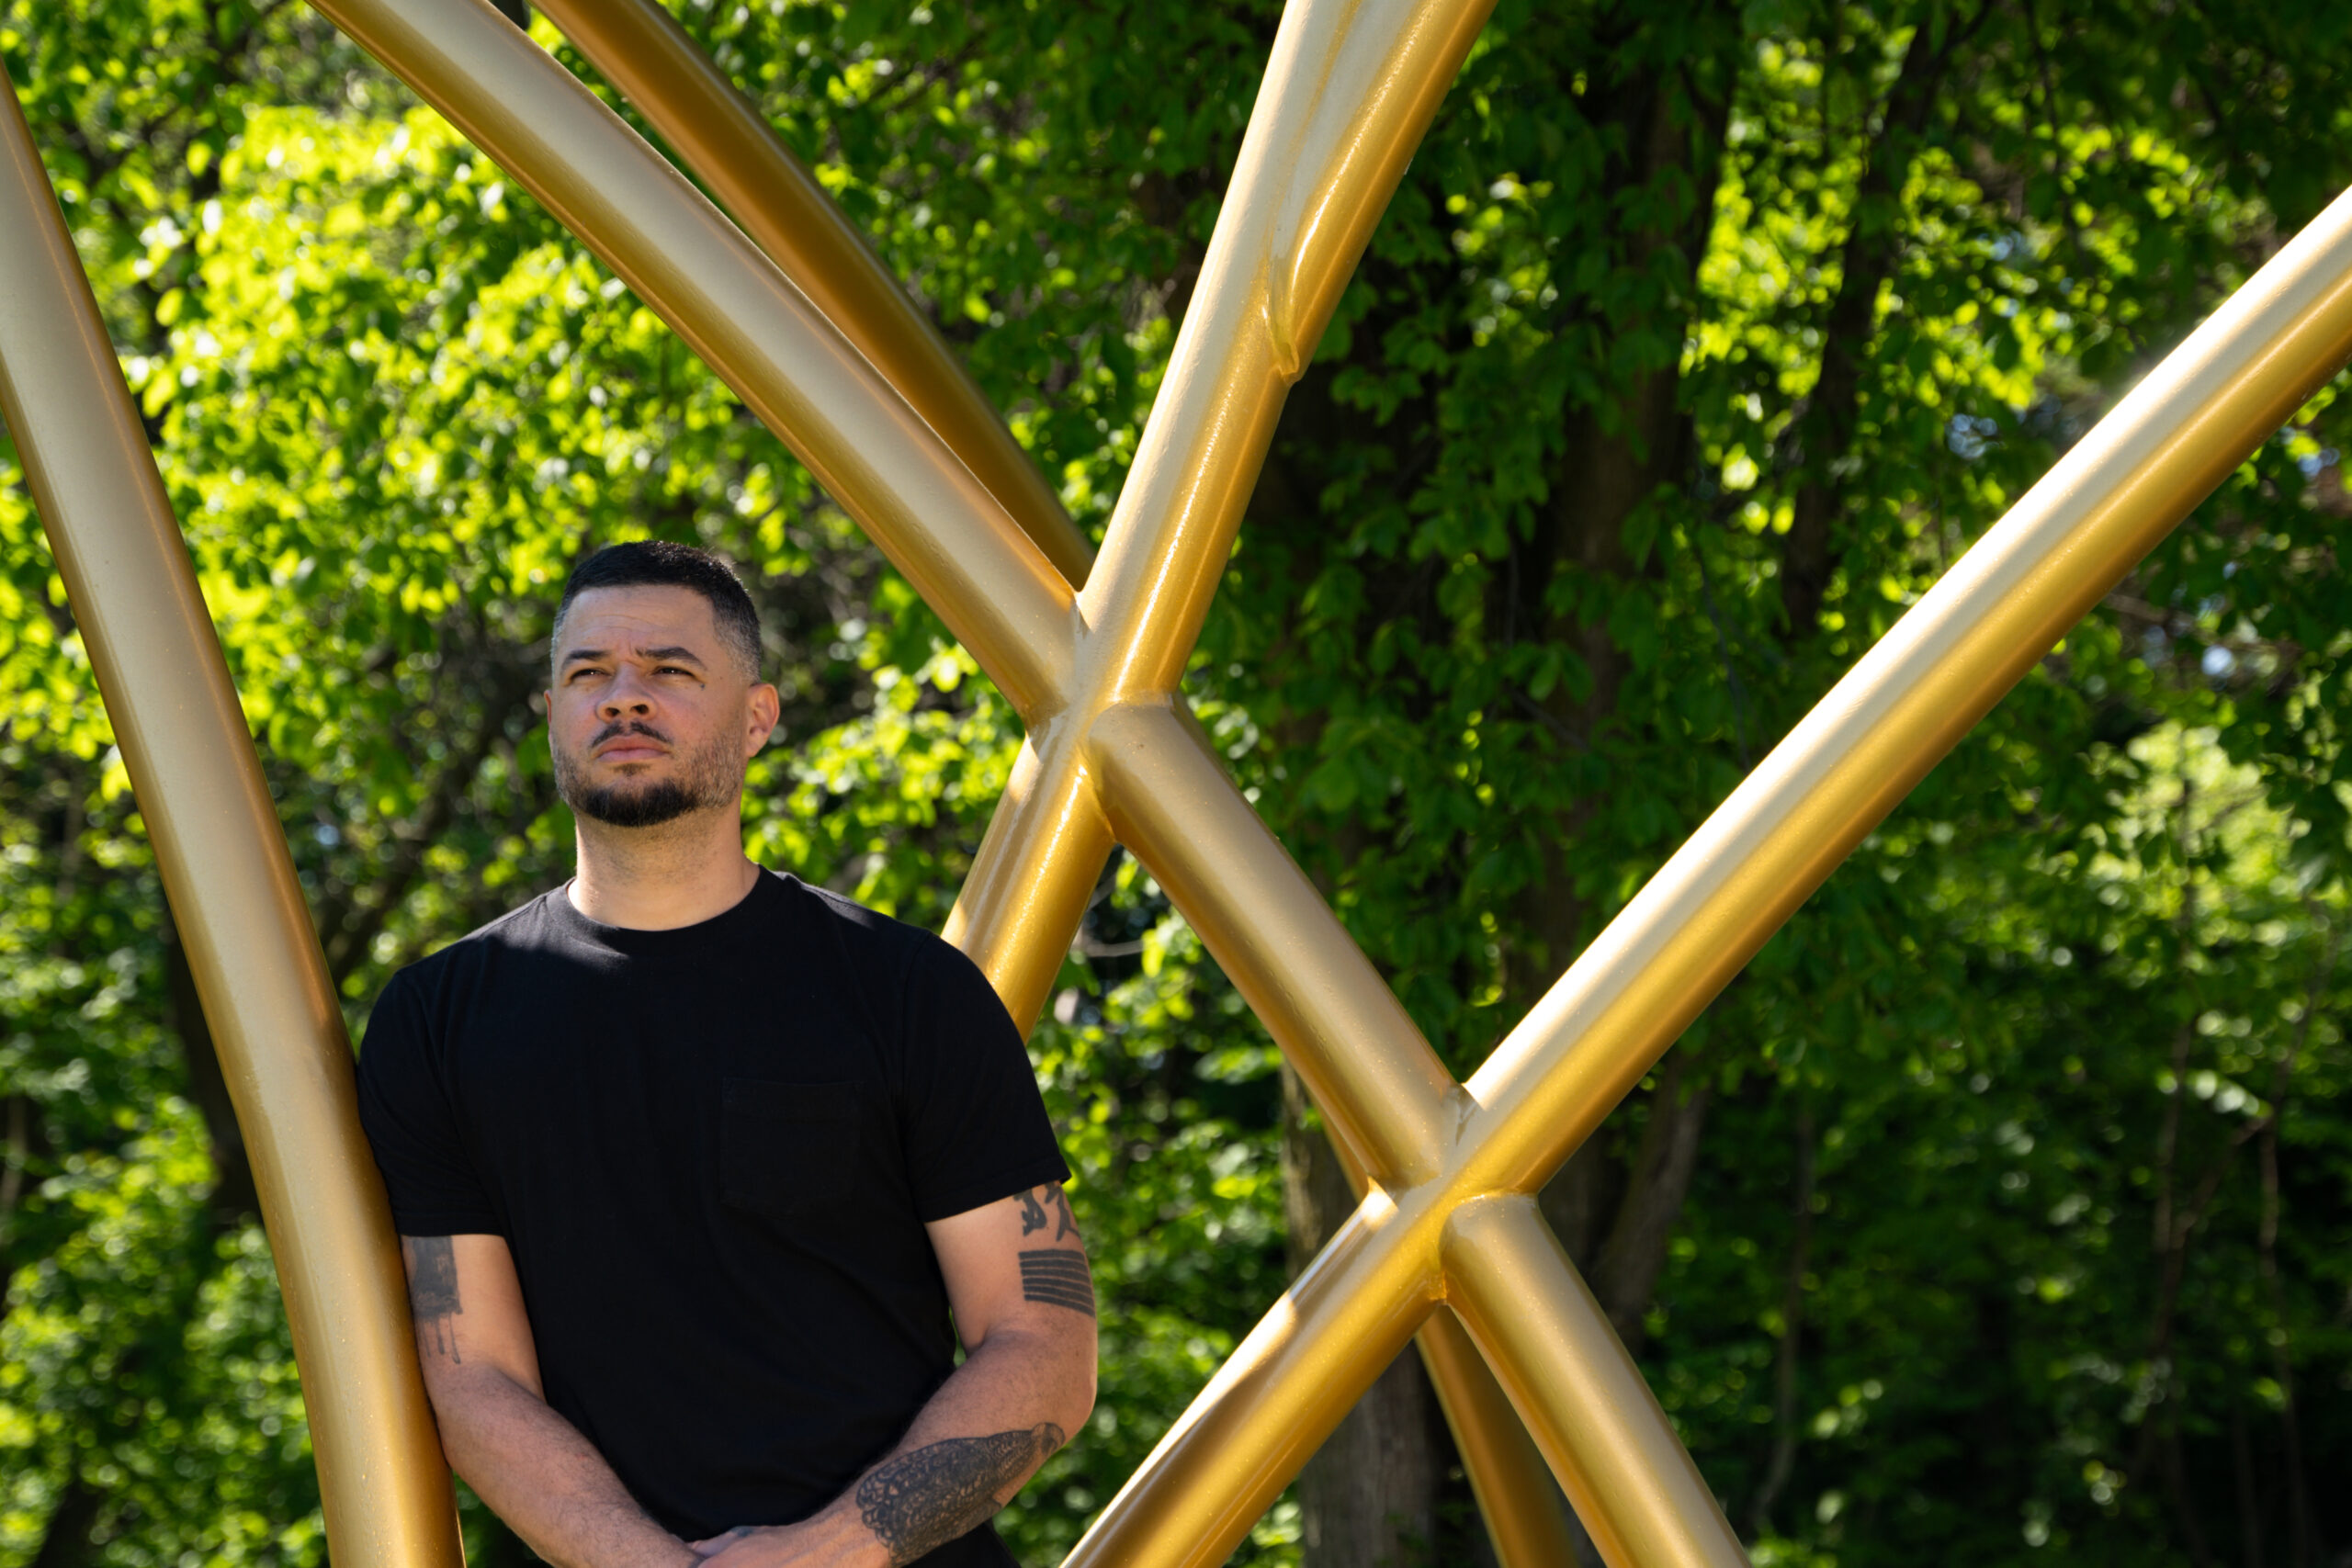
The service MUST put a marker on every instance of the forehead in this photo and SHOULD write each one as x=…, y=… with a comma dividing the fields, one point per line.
x=618, y=619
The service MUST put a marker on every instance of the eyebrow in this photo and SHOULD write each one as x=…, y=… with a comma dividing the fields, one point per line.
x=663, y=655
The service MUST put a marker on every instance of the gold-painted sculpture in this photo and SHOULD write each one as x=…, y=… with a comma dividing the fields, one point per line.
x=813, y=334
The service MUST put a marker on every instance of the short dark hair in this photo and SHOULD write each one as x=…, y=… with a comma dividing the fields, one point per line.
x=658, y=563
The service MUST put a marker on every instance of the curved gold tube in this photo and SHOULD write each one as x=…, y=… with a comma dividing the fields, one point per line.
x=273, y=1015
x=1526, y=1517
x=1037, y=869
x=723, y=138
x=1568, y=1376
x=1278, y=1396
x=872, y=452
x=1388, y=1102
x=1607, y=1021
x=2001, y=607
x=1349, y=89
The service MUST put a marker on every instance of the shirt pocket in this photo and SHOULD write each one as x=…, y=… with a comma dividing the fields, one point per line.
x=790, y=1150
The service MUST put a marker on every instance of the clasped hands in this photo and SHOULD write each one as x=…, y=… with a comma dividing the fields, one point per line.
x=833, y=1539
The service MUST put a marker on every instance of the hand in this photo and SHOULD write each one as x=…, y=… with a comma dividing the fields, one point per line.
x=712, y=1546
x=833, y=1539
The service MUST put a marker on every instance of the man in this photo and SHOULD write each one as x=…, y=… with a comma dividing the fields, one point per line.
x=691, y=1161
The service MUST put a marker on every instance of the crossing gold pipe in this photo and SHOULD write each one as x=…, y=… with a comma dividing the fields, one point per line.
x=1278, y=1396
x=1389, y=1104
x=1350, y=90
x=1366, y=1064
x=1034, y=874
x=1522, y=1504
x=2102, y=507
x=724, y=139
x=1907, y=702
x=753, y=328
x=273, y=1015
x=1642, y=1500
x=872, y=453
x=1350, y=87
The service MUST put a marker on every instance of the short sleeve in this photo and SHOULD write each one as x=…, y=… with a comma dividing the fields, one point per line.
x=410, y=1124
x=976, y=1129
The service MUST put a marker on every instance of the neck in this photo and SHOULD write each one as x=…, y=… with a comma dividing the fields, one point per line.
x=685, y=871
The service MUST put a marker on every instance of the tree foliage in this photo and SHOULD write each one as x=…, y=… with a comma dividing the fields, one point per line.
x=2001, y=1207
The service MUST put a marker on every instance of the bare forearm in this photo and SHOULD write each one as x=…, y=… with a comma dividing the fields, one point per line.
x=543, y=1478
x=1015, y=1379
x=1015, y=1400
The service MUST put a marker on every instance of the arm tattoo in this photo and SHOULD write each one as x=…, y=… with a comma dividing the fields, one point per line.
x=1057, y=1277
x=433, y=1290
x=923, y=1500
x=1033, y=1217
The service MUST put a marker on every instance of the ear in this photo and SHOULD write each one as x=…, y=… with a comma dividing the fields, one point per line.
x=767, y=707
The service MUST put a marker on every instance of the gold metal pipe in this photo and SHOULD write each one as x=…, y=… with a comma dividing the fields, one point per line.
x=1364, y=1061
x=724, y=139
x=872, y=453
x=1277, y=1396
x=1315, y=148
x=273, y=1015
x=1526, y=1518
x=427, y=40
x=1292, y=1380
x=1388, y=1102
x=1642, y=1500
x=1604, y=1024
x=2073, y=536
x=1308, y=1362
x=1029, y=885
x=1350, y=90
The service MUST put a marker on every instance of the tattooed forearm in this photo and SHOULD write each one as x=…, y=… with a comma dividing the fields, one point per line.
x=923, y=1500
x=432, y=1291
x=1056, y=1277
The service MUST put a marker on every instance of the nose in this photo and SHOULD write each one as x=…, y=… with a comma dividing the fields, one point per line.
x=625, y=698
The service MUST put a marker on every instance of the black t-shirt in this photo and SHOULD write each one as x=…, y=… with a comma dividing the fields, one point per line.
x=712, y=1152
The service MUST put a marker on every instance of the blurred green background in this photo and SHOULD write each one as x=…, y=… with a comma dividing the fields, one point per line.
x=2001, y=1212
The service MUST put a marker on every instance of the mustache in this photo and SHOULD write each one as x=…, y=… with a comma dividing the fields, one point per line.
x=614, y=731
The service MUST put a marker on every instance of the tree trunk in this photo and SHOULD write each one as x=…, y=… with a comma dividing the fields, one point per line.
x=1825, y=433
x=1784, y=1368
x=66, y=1542
x=1616, y=1222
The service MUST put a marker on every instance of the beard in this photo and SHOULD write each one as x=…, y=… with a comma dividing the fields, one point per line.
x=711, y=778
